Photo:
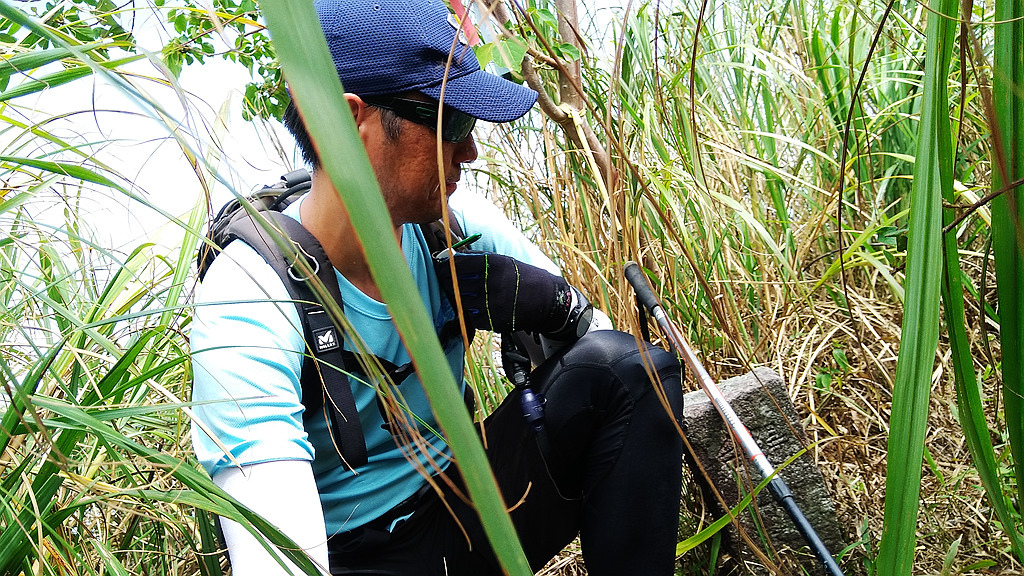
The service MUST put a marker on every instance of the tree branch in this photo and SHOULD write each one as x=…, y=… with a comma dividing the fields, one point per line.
x=548, y=106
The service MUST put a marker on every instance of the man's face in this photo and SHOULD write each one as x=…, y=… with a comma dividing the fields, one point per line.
x=407, y=167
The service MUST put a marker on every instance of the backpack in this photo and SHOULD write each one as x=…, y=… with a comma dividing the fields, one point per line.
x=324, y=381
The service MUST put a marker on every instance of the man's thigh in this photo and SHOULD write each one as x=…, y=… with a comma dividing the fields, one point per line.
x=591, y=390
x=445, y=537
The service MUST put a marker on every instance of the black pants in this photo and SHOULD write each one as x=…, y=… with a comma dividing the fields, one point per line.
x=609, y=470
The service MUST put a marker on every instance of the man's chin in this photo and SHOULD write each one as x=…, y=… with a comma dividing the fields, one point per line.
x=427, y=217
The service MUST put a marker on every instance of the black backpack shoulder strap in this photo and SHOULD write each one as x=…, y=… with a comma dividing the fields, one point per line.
x=324, y=382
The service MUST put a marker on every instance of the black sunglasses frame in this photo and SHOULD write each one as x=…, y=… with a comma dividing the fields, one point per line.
x=456, y=126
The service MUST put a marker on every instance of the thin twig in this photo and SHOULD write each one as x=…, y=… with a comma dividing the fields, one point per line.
x=984, y=200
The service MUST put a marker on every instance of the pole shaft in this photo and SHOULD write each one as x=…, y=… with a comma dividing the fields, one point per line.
x=736, y=426
x=777, y=486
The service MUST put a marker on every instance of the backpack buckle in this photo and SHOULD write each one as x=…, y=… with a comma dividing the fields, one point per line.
x=293, y=274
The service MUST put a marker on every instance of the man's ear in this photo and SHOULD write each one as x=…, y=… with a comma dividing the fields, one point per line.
x=357, y=106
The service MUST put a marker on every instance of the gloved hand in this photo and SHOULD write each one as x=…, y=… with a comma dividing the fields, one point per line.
x=502, y=294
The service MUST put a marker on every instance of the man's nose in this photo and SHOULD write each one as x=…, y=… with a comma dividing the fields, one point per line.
x=465, y=151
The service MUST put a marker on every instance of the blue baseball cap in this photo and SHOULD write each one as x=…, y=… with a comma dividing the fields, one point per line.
x=396, y=46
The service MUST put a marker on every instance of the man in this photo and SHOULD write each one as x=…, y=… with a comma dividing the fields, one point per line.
x=607, y=461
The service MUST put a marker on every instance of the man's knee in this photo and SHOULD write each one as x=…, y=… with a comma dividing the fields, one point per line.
x=637, y=365
x=612, y=347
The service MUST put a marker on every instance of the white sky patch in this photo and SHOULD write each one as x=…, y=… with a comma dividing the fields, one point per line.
x=122, y=133
x=125, y=135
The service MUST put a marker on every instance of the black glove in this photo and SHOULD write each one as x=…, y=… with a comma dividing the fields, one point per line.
x=502, y=294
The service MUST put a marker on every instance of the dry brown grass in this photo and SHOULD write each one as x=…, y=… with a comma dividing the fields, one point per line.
x=845, y=421
x=846, y=427
x=700, y=219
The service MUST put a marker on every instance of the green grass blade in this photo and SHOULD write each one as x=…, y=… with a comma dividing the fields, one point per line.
x=209, y=497
x=933, y=173
x=58, y=78
x=1008, y=219
x=47, y=479
x=110, y=561
x=716, y=526
x=209, y=558
x=973, y=420
x=972, y=411
x=44, y=82
x=65, y=169
x=972, y=415
x=313, y=80
x=21, y=63
x=20, y=392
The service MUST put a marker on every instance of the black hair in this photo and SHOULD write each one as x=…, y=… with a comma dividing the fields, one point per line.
x=389, y=121
x=293, y=122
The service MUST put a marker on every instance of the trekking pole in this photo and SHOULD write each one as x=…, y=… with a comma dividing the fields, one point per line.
x=777, y=486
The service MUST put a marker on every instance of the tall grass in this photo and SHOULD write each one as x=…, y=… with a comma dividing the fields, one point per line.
x=97, y=473
x=933, y=181
x=770, y=165
x=777, y=155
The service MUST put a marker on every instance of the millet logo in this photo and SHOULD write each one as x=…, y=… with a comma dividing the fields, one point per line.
x=325, y=339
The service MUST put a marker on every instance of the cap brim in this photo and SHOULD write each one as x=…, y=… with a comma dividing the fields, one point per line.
x=485, y=96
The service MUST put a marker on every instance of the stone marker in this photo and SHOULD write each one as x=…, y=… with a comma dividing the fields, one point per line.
x=713, y=446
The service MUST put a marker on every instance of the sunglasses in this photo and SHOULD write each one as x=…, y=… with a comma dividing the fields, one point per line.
x=455, y=125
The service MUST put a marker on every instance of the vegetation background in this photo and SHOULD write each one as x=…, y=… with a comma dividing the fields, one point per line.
x=804, y=182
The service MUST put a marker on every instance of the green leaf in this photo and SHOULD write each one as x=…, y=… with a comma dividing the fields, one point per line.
x=22, y=391
x=933, y=173
x=1007, y=221
x=841, y=361
x=973, y=420
x=716, y=526
x=204, y=494
x=58, y=78
x=544, y=19
x=110, y=561
x=509, y=53
x=28, y=61
x=569, y=52
x=484, y=53
x=823, y=381
x=886, y=235
x=64, y=168
x=45, y=82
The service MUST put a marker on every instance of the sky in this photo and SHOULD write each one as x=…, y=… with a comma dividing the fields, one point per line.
x=125, y=135
x=129, y=139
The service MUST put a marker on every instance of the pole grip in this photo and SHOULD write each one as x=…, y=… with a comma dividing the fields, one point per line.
x=636, y=278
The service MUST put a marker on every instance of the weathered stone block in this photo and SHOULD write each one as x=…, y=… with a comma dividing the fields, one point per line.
x=771, y=420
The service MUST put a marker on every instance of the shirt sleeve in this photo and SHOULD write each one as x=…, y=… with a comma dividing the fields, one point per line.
x=247, y=350
x=295, y=510
x=478, y=215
